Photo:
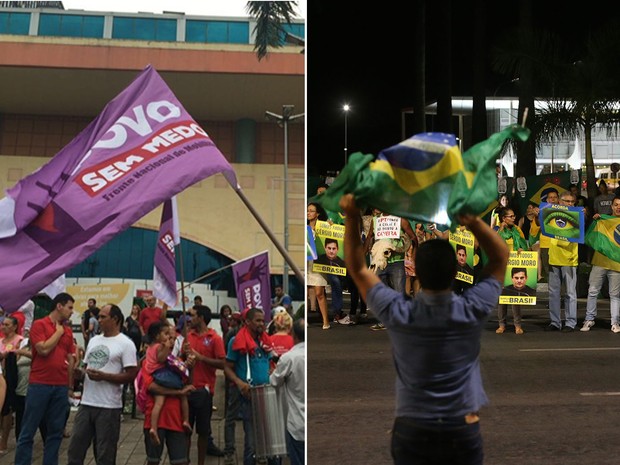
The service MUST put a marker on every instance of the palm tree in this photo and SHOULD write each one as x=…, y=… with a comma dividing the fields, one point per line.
x=270, y=18
x=586, y=97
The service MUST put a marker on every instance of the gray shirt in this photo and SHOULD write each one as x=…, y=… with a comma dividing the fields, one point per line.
x=290, y=373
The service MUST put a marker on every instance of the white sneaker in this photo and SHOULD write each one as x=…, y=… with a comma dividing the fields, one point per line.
x=587, y=325
x=615, y=328
x=345, y=321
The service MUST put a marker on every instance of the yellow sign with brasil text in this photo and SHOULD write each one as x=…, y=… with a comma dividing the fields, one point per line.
x=520, y=280
x=463, y=241
x=329, y=240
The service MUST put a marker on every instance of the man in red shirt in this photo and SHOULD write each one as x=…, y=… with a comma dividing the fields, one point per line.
x=150, y=314
x=169, y=426
x=206, y=346
x=50, y=383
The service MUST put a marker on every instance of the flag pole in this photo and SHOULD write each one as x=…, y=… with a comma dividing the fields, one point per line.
x=281, y=249
x=182, y=281
x=204, y=276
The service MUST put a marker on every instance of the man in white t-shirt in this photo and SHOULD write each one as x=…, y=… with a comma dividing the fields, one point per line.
x=110, y=363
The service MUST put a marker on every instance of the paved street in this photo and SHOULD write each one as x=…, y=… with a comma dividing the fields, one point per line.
x=553, y=396
x=131, y=449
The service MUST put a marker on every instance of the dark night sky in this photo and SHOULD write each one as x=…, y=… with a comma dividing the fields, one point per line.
x=360, y=56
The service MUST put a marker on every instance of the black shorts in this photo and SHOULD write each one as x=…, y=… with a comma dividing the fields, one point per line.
x=200, y=409
x=176, y=442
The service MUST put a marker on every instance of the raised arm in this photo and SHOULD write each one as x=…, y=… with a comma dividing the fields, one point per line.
x=354, y=257
x=492, y=244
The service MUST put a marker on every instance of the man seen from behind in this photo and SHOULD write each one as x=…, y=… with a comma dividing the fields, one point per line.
x=436, y=344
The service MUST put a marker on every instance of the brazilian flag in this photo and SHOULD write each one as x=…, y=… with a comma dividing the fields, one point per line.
x=424, y=178
x=603, y=235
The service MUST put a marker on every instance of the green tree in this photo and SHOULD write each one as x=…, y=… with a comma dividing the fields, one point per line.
x=585, y=97
x=581, y=89
x=270, y=20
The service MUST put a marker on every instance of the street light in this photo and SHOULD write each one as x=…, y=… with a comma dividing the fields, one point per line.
x=346, y=109
x=283, y=120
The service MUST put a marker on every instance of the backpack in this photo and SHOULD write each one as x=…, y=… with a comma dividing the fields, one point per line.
x=140, y=390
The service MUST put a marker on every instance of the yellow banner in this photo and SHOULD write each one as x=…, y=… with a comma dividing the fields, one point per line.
x=318, y=268
x=120, y=294
x=465, y=277
x=517, y=300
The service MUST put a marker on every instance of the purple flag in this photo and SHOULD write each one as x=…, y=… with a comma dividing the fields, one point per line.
x=164, y=269
x=252, y=283
x=140, y=151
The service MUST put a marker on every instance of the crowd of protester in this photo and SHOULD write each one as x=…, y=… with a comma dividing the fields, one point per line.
x=558, y=261
x=167, y=366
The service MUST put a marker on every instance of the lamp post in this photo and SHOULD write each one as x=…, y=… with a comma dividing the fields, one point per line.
x=283, y=120
x=346, y=109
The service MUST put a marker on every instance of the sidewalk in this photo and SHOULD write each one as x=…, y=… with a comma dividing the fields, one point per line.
x=131, y=449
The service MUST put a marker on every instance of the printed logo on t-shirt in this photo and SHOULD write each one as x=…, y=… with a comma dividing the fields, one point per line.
x=98, y=357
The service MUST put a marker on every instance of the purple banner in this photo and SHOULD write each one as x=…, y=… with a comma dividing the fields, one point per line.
x=140, y=151
x=164, y=269
x=252, y=283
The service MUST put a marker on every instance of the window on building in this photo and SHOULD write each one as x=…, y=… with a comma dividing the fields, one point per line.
x=14, y=23
x=228, y=32
x=163, y=30
x=71, y=25
x=295, y=29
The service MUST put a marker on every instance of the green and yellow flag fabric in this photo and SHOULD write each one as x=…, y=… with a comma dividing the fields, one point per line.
x=424, y=178
x=603, y=236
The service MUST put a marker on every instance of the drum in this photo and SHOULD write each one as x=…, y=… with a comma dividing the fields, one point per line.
x=268, y=422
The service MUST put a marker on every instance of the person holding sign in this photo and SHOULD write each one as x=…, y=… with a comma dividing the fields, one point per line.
x=563, y=260
x=316, y=282
x=513, y=236
x=333, y=267
x=399, y=233
x=549, y=195
x=603, y=267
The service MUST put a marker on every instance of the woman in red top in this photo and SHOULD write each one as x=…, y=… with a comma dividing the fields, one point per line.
x=281, y=338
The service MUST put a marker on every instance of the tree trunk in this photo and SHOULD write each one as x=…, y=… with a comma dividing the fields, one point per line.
x=444, y=74
x=526, y=151
x=479, y=110
x=419, y=68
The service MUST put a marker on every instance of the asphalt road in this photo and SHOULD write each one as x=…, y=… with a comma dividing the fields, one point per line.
x=554, y=397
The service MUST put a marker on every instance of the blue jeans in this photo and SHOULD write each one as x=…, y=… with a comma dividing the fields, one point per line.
x=414, y=443
x=596, y=283
x=568, y=274
x=334, y=281
x=295, y=450
x=43, y=402
x=393, y=275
